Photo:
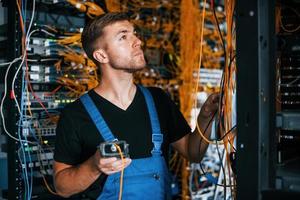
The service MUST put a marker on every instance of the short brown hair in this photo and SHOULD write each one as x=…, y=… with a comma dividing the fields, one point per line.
x=94, y=30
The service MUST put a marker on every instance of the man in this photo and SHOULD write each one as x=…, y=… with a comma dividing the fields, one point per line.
x=145, y=118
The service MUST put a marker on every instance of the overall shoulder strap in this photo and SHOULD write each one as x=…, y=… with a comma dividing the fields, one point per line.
x=157, y=136
x=97, y=118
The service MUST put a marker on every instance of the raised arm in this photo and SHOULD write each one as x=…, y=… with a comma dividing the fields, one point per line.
x=189, y=145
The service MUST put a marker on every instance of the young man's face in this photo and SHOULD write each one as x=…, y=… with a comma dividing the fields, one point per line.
x=122, y=47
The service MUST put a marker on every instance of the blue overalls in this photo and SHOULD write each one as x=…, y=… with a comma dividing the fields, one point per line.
x=145, y=178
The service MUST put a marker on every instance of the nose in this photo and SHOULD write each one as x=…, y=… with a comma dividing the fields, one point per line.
x=137, y=42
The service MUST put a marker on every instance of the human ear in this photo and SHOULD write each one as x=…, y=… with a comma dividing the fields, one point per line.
x=100, y=55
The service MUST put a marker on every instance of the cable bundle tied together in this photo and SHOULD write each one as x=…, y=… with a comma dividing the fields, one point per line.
x=90, y=8
x=79, y=74
x=189, y=61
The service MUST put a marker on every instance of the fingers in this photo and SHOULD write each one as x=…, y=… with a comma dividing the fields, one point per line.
x=113, y=165
x=210, y=106
x=214, y=98
x=119, y=165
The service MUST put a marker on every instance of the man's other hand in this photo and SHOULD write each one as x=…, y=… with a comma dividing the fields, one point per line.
x=210, y=106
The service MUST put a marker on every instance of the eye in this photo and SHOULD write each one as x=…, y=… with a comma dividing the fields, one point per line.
x=123, y=37
x=137, y=33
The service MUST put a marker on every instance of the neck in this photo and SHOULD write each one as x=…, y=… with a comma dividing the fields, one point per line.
x=117, y=88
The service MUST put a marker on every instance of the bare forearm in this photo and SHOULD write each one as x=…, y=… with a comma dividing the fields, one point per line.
x=76, y=179
x=197, y=146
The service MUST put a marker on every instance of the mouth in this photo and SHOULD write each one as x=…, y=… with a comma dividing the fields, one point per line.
x=140, y=53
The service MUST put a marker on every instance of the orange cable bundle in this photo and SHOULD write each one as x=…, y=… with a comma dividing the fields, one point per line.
x=93, y=9
x=229, y=72
x=86, y=76
x=90, y=8
x=229, y=80
x=77, y=4
x=228, y=91
x=113, y=5
x=71, y=40
x=189, y=55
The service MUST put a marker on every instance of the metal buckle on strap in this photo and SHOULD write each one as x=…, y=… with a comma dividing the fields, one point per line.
x=156, y=152
x=157, y=138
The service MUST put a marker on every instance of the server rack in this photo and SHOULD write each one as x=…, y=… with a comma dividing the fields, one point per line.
x=16, y=186
x=14, y=38
x=260, y=174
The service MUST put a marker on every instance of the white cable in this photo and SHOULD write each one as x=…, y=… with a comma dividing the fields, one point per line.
x=293, y=81
x=2, y=102
x=48, y=32
x=31, y=20
x=27, y=39
x=45, y=59
x=17, y=72
x=8, y=63
x=13, y=83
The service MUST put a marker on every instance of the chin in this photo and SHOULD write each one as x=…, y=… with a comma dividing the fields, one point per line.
x=139, y=65
x=134, y=69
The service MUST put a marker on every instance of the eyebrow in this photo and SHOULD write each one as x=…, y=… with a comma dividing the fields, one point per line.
x=124, y=31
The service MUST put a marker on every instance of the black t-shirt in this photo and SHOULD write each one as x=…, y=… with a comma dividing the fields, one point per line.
x=77, y=136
